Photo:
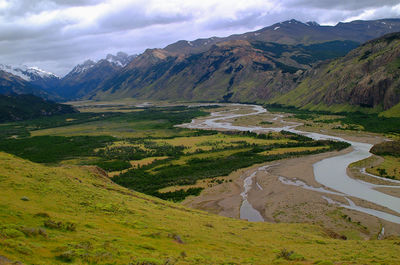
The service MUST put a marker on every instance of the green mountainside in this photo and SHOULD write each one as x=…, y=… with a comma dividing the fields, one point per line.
x=23, y=107
x=367, y=79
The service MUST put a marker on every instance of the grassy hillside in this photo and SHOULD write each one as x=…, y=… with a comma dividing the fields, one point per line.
x=55, y=215
x=367, y=80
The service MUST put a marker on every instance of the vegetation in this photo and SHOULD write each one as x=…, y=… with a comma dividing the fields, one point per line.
x=187, y=155
x=52, y=149
x=24, y=107
x=115, y=122
x=76, y=216
x=220, y=160
x=366, y=80
x=389, y=168
x=371, y=122
x=387, y=148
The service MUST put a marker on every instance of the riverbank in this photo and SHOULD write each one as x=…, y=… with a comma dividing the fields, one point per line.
x=275, y=195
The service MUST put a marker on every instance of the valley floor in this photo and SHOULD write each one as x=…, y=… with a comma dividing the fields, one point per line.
x=63, y=211
x=279, y=202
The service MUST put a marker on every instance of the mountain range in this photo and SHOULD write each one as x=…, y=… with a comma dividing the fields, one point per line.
x=33, y=80
x=275, y=64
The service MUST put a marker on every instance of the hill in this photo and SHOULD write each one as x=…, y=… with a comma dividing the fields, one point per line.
x=55, y=215
x=366, y=79
x=23, y=107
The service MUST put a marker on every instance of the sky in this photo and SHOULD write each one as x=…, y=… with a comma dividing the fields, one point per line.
x=55, y=35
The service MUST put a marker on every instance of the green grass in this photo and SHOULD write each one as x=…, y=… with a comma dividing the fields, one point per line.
x=71, y=215
x=190, y=155
x=371, y=122
x=389, y=168
x=210, y=164
x=52, y=149
x=139, y=123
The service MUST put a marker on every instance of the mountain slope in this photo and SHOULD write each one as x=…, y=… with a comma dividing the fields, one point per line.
x=84, y=78
x=23, y=107
x=36, y=76
x=229, y=71
x=52, y=215
x=295, y=32
x=250, y=67
x=367, y=78
x=12, y=84
x=87, y=76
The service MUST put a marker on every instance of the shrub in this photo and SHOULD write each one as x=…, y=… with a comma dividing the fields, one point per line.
x=12, y=233
x=289, y=255
x=68, y=226
x=67, y=256
x=31, y=231
x=42, y=215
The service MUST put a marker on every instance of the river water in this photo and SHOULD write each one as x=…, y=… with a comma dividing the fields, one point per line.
x=330, y=172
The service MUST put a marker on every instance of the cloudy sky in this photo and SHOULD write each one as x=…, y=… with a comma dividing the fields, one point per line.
x=57, y=34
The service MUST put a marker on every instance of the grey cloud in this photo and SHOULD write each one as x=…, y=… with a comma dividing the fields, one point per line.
x=61, y=42
x=341, y=4
x=136, y=17
x=18, y=9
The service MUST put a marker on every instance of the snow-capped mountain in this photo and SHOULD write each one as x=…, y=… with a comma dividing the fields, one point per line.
x=86, y=77
x=120, y=59
x=81, y=68
x=28, y=73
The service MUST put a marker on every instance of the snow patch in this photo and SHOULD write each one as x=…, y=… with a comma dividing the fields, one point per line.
x=276, y=28
x=28, y=73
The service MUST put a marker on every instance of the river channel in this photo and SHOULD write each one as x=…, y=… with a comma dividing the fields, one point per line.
x=330, y=172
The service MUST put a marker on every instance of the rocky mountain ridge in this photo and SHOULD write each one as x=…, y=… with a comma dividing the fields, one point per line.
x=368, y=77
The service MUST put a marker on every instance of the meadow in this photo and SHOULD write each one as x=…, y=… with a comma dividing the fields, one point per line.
x=370, y=122
x=118, y=141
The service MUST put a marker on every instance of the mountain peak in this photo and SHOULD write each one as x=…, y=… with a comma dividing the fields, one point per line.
x=28, y=73
x=80, y=68
x=312, y=23
x=292, y=21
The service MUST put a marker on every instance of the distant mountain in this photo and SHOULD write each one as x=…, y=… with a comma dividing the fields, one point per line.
x=28, y=73
x=89, y=75
x=34, y=75
x=120, y=59
x=295, y=32
x=236, y=70
x=367, y=78
x=23, y=107
x=254, y=66
x=12, y=84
